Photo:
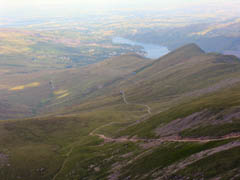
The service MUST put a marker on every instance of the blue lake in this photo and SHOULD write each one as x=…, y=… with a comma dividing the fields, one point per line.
x=153, y=51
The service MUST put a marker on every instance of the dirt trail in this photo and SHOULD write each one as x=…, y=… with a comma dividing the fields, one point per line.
x=63, y=164
x=126, y=102
x=166, y=139
x=159, y=140
x=51, y=84
x=109, y=139
x=102, y=136
x=153, y=142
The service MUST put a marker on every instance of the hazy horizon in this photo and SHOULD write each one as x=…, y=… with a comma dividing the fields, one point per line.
x=66, y=8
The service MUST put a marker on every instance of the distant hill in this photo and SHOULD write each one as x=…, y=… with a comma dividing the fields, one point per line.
x=219, y=37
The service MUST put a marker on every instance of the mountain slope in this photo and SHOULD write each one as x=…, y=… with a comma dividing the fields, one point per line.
x=88, y=82
x=181, y=73
x=198, y=129
x=134, y=126
x=48, y=90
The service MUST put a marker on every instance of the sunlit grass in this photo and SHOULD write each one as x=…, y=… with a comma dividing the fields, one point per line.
x=21, y=87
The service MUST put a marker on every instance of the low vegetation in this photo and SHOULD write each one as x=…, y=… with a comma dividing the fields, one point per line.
x=214, y=102
x=218, y=130
x=82, y=106
x=224, y=164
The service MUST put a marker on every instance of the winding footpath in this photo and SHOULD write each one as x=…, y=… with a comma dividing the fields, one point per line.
x=164, y=139
x=109, y=139
x=51, y=84
x=126, y=102
x=63, y=164
x=146, y=141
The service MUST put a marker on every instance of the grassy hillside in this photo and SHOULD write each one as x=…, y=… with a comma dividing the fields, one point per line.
x=37, y=148
x=47, y=90
x=128, y=118
x=183, y=74
x=186, y=72
x=215, y=114
x=62, y=147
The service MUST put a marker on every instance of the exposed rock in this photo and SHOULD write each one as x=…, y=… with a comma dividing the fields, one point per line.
x=97, y=169
x=174, y=168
